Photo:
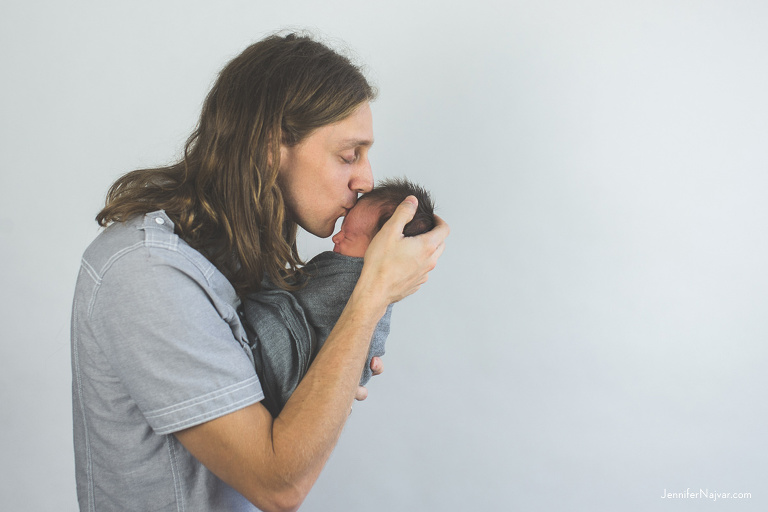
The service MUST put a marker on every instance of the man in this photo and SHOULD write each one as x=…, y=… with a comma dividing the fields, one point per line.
x=166, y=405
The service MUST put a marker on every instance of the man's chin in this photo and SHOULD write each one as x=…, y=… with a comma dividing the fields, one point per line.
x=320, y=231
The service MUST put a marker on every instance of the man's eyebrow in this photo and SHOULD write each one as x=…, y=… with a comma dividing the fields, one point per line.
x=354, y=143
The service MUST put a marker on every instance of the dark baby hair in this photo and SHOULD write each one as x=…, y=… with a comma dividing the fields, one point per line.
x=388, y=194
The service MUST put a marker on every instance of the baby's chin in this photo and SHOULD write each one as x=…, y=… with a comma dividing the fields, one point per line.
x=352, y=253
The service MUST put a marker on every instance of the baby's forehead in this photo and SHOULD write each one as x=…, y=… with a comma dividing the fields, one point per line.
x=364, y=215
x=365, y=209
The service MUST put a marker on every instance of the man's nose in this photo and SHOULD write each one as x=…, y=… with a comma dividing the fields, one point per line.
x=362, y=177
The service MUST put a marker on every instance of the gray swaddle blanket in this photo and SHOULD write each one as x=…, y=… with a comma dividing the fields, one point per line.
x=286, y=329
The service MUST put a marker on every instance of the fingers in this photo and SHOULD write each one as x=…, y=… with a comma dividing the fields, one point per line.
x=403, y=215
x=439, y=233
x=434, y=242
x=377, y=366
x=441, y=227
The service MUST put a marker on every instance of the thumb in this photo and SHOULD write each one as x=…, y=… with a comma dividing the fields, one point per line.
x=403, y=214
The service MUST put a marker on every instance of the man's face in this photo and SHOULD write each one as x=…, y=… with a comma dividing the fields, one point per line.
x=357, y=230
x=321, y=176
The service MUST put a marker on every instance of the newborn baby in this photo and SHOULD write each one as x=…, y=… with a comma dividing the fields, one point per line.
x=286, y=329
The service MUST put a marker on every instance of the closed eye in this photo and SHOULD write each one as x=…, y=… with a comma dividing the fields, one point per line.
x=350, y=159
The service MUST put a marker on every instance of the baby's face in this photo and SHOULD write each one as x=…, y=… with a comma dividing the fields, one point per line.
x=357, y=230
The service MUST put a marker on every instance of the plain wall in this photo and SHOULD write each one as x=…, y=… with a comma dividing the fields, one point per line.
x=595, y=333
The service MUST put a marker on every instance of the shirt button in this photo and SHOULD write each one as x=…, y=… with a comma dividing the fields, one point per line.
x=160, y=220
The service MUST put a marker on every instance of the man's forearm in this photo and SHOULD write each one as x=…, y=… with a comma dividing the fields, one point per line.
x=314, y=416
x=274, y=463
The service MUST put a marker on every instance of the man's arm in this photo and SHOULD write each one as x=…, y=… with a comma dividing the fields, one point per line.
x=274, y=463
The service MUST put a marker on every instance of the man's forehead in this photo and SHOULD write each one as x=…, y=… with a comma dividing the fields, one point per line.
x=354, y=131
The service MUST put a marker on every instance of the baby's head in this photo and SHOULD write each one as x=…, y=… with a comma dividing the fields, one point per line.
x=375, y=208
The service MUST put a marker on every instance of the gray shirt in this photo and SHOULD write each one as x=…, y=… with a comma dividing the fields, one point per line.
x=157, y=347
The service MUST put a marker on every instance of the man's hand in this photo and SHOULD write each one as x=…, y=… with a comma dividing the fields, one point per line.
x=395, y=265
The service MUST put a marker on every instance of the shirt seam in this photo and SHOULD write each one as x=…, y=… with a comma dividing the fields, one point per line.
x=86, y=434
x=209, y=415
x=99, y=277
x=205, y=270
x=198, y=400
x=177, y=480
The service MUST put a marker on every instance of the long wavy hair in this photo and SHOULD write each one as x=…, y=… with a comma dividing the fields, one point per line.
x=223, y=194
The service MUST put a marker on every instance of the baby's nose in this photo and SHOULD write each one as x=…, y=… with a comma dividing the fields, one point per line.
x=336, y=238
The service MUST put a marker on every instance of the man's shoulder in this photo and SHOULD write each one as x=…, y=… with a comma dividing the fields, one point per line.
x=143, y=240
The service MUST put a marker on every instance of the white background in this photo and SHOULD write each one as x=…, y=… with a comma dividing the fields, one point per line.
x=595, y=332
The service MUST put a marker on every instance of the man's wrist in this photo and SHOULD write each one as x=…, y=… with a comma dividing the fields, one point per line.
x=367, y=303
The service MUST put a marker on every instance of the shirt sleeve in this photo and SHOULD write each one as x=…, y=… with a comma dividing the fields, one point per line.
x=170, y=341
